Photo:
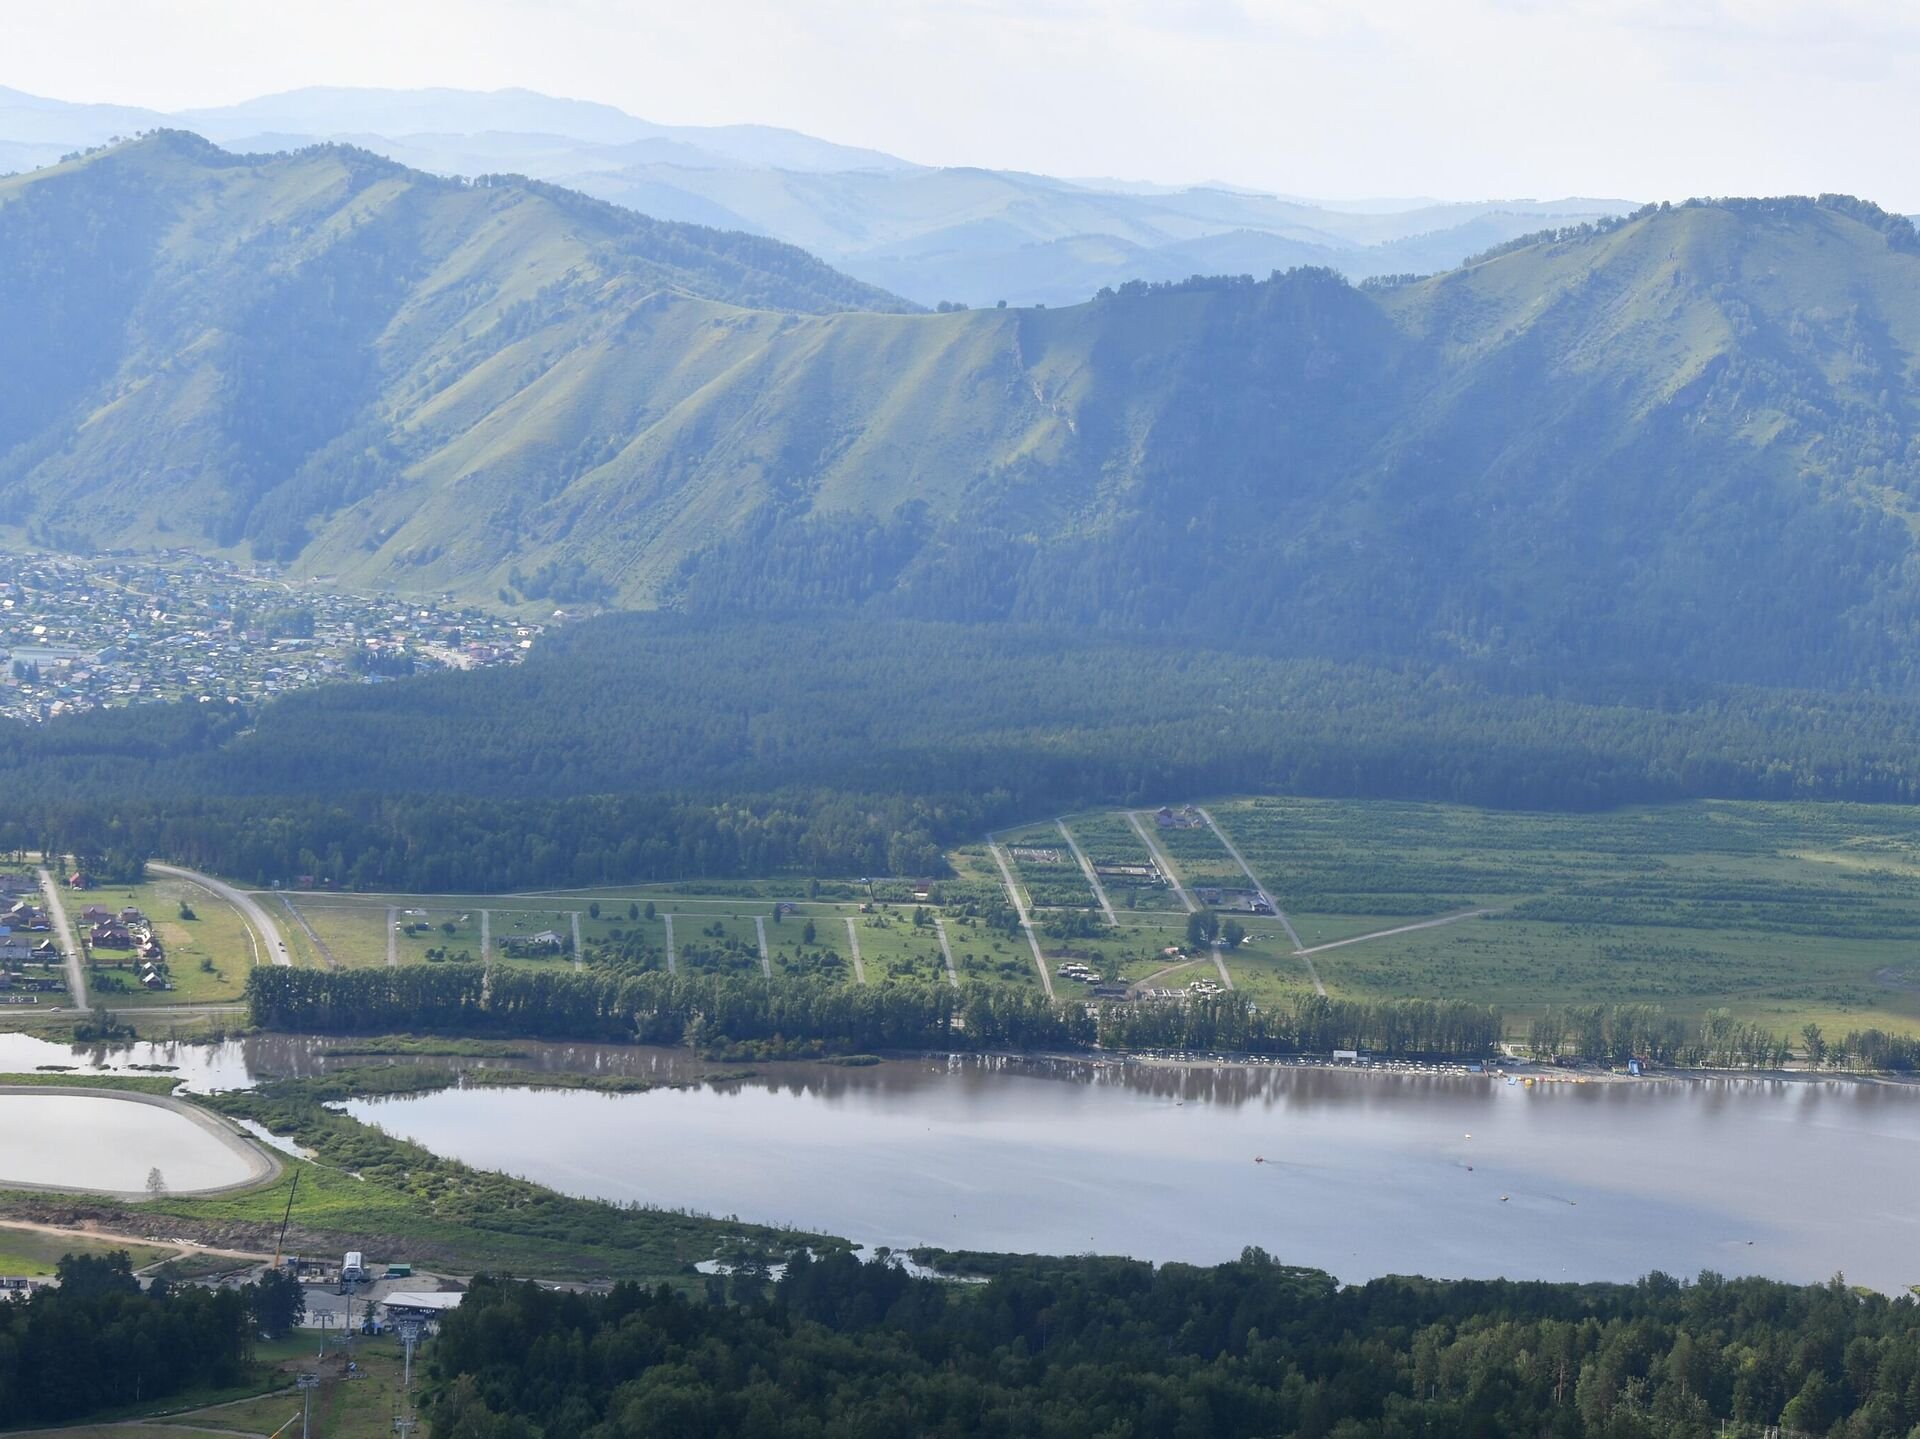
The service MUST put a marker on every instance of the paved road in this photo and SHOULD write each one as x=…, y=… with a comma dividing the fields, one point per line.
x=266, y=933
x=1166, y=865
x=1020, y=908
x=1086, y=868
x=393, y=938
x=672, y=965
x=578, y=961
x=76, y=971
x=1400, y=929
x=766, y=957
x=946, y=950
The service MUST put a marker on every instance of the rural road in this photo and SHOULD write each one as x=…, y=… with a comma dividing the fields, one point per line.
x=1401, y=929
x=1020, y=909
x=1252, y=879
x=320, y=946
x=1158, y=856
x=1086, y=868
x=273, y=945
x=853, y=943
x=946, y=950
x=1280, y=914
x=76, y=971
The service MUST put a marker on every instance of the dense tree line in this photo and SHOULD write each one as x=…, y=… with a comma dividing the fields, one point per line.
x=1876, y=1049
x=1313, y=1024
x=1101, y=1348
x=731, y=1010
x=1616, y=1033
x=97, y=1341
x=660, y=747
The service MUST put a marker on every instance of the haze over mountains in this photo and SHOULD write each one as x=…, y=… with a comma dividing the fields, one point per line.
x=968, y=235
x=1682, y=446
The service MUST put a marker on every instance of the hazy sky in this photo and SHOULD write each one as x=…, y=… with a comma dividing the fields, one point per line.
x=1456, y=98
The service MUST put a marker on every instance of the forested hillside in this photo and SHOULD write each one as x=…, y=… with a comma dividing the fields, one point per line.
x=1683, y=446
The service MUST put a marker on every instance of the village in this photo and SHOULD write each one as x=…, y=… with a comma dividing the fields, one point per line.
x=31, y=964
x=87, y=633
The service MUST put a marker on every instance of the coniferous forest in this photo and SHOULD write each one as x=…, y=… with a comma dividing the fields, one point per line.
x=649, y=747
x=1102, y=1348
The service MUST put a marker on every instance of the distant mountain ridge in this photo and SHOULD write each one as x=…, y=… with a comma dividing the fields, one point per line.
x=1681, y=445
x=963, y=234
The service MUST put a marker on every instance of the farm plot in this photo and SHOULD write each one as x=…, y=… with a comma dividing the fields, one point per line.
x=1126, y=869
x=1046, y=869
x=1781, y=913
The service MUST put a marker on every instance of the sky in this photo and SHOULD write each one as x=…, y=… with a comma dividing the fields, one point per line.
x=1459, y=99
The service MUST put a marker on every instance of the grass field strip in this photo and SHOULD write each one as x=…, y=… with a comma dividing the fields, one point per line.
x=1086, y=868
x=1166, y=865
x=853, y=943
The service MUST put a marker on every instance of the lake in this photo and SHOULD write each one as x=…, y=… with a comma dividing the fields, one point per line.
x=1357, y=1173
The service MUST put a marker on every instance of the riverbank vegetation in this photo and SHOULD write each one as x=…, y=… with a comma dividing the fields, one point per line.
x=1078, y=1348
x=363, y=1189
x=746, y=1018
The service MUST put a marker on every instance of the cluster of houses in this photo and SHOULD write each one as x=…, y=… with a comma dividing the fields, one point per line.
x=128, y=932
x=79, y=634
x=1086, y=974
x=1235, y=901
x=1186, y=817
x=547, y=941
x=24, y=927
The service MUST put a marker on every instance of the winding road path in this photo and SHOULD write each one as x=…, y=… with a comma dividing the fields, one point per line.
x=266, y=933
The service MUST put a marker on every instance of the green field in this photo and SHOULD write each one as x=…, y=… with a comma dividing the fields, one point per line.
x=1046, y=869
x=1781, y=913
x=208, y=956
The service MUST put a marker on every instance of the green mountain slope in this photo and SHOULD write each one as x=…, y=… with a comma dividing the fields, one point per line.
x=225, y=348
x=1683, y=445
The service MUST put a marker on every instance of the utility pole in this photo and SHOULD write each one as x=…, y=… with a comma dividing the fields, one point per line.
x=306, y=1383
x=409, y=1336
